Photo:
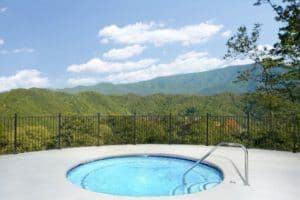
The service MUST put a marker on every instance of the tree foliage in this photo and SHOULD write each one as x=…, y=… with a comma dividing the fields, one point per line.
x=277, y=68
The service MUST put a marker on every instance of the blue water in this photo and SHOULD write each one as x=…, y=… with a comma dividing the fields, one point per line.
x=143, y=176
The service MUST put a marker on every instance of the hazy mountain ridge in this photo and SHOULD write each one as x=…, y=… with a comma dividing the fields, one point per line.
x=207, y=83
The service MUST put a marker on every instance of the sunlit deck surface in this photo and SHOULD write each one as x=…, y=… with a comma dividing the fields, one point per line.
x=42, y=175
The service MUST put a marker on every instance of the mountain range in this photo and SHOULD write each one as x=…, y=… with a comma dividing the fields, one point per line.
x=196, y=93
x=206, y=83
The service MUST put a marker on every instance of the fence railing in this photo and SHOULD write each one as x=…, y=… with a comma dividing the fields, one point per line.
x=32, y=133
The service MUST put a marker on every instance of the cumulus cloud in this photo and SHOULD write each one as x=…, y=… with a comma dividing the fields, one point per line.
x=82, y=81
x=3, y=9
x=189, y=62
x=226, y=33
x=15, y=51
x=141, y=33
x=23, y=79
x=97, y=65
x=263, y=47
x=244, y=61
x=1, y=42
x=182, y=64
x=262, y=51
x=185, y=63
x=124, y=53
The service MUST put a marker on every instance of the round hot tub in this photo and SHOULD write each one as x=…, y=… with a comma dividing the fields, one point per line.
x=144, y=175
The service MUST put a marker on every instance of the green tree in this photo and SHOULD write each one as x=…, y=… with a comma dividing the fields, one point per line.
x=277, y=68
x=34, y=138
x=78, y=131
x=4, y=141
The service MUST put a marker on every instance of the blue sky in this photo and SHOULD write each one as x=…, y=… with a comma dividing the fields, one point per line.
x=64, y=43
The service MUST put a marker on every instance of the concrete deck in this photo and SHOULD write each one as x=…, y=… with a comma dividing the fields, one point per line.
x=42, y=175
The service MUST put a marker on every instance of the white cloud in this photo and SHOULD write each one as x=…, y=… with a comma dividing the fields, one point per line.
x=244, y=61
x=23, y=79
x=97, y=65
x=263, y=51
x=82, y=81
x=1, y=42
x=3, y=9
x=15, y=51
x=185, y=63
x=263, y=47
x=141, y=33
x=104, y=41
x=226, y=33
x=124, y=53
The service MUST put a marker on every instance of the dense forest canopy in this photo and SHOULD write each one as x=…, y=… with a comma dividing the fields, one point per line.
x=45, y=102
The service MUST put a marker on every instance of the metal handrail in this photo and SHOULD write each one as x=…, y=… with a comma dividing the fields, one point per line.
x=227, y=144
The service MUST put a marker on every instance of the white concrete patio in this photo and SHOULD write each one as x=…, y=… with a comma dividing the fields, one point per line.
x=42, y=175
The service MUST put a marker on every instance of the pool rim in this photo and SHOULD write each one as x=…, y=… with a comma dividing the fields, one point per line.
x=166, y=155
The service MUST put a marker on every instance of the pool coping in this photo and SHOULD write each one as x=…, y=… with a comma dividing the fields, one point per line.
x=176, y=156
x=177, y=197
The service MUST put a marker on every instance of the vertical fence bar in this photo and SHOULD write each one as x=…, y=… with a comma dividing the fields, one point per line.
x=297, y=131
x=171, y=124
x=294, y=122
x=134, y=128
x=248, y=128
x=200, y=121
x=271, y=131
x=15, y=132
x=98, y=129
x=59, y=130
x=170, y=128
x=207, y=118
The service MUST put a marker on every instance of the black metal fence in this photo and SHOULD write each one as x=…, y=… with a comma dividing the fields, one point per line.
x=32, y=133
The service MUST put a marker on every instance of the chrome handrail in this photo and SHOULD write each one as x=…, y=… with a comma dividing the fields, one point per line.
x=227, y=144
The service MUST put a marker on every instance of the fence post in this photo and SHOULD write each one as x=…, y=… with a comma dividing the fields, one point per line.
x=170, y=128
x=98, y=129
x=248, y=127
x=15, y=132
x=294, y=133
x=59, y=130
x=134, y=128
x=207, y=118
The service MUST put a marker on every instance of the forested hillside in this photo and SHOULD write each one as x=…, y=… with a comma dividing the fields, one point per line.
x=43, y=101
x=38, y=120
